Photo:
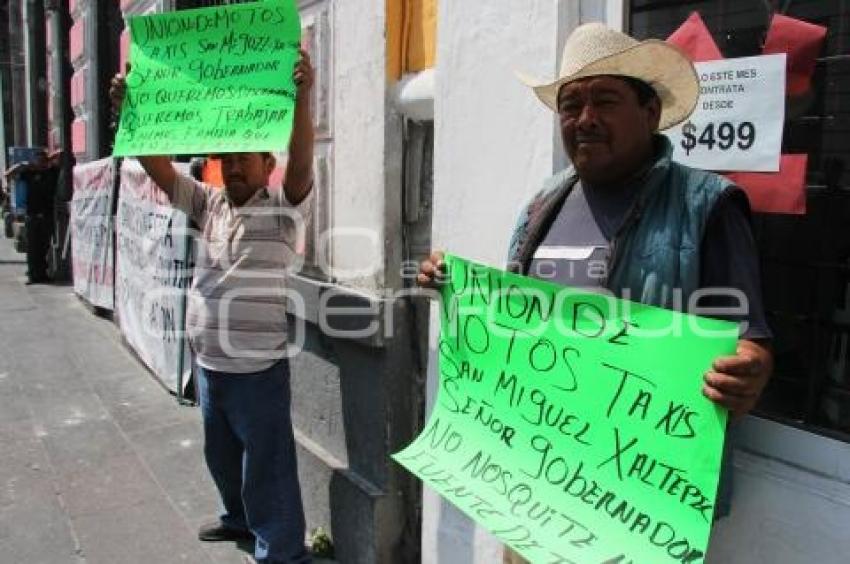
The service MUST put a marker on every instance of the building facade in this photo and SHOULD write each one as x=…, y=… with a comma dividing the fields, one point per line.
x=427, y=140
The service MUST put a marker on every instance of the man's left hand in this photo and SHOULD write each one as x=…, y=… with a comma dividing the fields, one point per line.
x=303, y=74
x=736, y=382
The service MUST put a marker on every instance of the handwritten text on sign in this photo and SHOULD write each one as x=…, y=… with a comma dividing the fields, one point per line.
x=91, y=232
x=154, y=271
x=211, y=80
x=737, y=124
x=572, y=425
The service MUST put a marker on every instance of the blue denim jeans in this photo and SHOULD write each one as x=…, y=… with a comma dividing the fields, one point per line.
x=725, y=484
x=250, y=451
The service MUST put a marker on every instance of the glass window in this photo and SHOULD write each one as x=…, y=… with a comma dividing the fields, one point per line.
x=805, y=259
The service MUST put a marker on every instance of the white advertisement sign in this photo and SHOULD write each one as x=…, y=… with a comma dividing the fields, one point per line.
x=738, y=122
x=91, y=232
x=154, y=270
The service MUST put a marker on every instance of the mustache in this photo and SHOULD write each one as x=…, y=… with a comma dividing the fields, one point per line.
x=589, y=138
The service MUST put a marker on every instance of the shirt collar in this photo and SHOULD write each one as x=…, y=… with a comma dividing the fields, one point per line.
x=261, y=194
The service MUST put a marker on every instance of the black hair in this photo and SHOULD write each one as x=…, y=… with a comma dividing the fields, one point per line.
x=643, y=90
x=196, y=167
x=216, y=156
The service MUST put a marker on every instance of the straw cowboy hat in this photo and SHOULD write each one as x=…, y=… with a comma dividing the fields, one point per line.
x=593, y=50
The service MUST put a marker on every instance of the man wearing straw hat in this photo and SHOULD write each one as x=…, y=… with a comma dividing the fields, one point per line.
x=627, y=219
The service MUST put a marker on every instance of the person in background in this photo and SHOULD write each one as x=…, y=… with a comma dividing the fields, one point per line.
x=41, y=177
x=62, y=216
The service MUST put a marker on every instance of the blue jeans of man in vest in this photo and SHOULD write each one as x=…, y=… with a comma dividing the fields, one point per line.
x=250, y=451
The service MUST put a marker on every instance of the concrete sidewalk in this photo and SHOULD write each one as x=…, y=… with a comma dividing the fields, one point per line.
x=99, y=463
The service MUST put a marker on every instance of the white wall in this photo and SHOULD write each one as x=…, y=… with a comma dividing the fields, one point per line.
x=493, y=141
x=791, y=500
x=494, y=144
x=358, y=191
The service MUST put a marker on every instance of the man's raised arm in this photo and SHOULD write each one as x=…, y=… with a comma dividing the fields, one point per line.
x=14, y=169
x=158, y=167
x=299, y=165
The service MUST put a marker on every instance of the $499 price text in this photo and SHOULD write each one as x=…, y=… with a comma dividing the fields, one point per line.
x=725, y=135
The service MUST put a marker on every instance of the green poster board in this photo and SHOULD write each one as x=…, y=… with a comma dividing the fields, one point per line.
x=211, y=80
x=571, y=424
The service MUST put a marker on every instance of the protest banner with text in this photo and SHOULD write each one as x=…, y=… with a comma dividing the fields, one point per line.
x=154, y=269
x=572, y=425
x=91, y=232
x=211, y=80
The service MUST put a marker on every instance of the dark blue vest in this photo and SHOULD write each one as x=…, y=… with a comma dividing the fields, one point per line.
x=655, y=256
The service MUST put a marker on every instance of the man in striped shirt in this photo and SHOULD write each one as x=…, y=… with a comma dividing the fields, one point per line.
x=236, y=323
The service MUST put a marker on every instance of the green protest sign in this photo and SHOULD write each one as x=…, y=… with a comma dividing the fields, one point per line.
x=211, y=80
x=572, y=424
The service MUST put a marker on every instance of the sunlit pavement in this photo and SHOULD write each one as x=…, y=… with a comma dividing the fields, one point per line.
x=98, y=463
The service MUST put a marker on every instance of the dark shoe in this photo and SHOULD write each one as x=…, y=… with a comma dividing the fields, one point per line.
x=217, y=531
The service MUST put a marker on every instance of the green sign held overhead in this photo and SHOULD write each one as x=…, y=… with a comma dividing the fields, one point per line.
x=572, y=424
x=211, y=80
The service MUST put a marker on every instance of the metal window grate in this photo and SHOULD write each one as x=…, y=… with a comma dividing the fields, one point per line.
x=805, y=260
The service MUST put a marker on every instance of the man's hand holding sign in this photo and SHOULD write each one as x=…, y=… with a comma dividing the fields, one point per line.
x=210, y=80
x=576, y=426
x=733, y=381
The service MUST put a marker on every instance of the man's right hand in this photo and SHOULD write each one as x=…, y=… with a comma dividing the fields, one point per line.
x=158, y=167
x=432, y=271
x=117, y=90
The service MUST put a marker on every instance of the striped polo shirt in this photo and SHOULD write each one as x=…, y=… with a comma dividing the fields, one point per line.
x=236, y=313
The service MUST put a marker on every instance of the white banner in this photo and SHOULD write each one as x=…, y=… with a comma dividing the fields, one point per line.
x=154, y=270
x=738, y=122
x=91, y=232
